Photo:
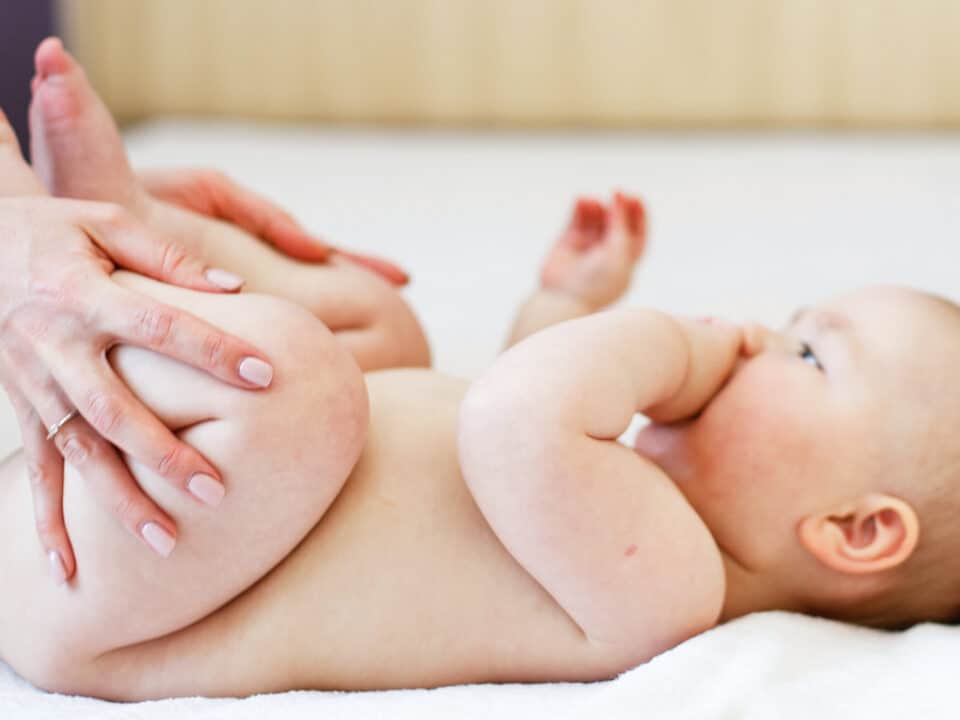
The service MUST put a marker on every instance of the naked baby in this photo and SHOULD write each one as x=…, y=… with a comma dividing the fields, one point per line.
x=399, y=528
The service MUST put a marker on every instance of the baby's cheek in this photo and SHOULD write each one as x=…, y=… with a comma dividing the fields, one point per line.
x=749, y=433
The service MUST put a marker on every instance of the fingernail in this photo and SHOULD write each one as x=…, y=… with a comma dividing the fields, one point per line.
x=57, y=568
x=206, y=489
x=256, y=371
x=224, y=279
x=159, y=539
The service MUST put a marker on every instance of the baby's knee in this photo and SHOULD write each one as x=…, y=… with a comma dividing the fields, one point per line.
x=316, y=409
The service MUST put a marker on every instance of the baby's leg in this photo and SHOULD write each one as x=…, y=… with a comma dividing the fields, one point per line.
x=79, y=153
x=284, y=453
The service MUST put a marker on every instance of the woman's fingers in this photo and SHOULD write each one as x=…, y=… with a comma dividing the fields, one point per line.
x=116, y=415
x=136, y=319
x=45, y=472
x=212, y=193
x=132, y=245
x=112, y=484
x=384, y=268
x=94, y=458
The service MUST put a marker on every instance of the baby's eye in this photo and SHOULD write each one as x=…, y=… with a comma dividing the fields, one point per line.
x=807, y=355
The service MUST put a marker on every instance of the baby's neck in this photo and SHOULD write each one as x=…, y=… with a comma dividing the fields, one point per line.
x=748, y=591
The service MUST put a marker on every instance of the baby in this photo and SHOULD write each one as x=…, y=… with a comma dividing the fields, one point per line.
x=406, y=529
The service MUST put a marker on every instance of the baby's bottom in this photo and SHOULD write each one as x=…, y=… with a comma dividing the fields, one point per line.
x=284, y=454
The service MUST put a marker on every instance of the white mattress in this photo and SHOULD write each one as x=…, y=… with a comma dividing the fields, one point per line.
x=747, y=226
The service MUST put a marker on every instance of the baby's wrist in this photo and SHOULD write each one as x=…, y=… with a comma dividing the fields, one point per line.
x=570, y=299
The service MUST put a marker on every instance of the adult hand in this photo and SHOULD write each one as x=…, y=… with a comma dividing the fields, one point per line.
x=211, y=193
x=59, y=315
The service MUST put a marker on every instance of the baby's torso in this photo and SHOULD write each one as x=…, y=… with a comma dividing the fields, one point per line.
x=402, y=583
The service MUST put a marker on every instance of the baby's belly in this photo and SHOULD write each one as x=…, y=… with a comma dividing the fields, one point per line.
x=401, y=584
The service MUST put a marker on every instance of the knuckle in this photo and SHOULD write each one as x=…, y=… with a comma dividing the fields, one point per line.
x=170, y=461
x=174, y=257
x=127, y=509
x=48, y=529
x=103, y=412
x=39, y=480
x=213, y=349
x=76, y=448
x=114, y=215
x=154, y=325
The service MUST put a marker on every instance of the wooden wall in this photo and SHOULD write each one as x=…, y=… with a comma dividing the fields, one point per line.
x=629, y=63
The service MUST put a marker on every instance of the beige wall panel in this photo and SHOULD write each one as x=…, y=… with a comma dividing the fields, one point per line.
x=869, y=63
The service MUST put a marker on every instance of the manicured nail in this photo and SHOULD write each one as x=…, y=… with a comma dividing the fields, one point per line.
x=57, y=568
x=206, y=489
x=224, y=279
x=159, y=539
x=256, y=371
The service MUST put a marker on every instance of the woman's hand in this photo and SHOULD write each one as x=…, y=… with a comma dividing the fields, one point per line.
x=211, y=193
x=59, y=315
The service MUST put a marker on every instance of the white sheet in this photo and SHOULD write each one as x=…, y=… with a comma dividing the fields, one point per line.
x=744, y=226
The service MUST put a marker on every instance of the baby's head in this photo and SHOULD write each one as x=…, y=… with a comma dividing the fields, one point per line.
x=828, y=466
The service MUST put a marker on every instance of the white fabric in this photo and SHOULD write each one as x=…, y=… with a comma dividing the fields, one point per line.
x=746, y=226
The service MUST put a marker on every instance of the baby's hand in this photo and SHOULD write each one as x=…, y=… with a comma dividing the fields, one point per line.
x=594, y=258
x=714, y=347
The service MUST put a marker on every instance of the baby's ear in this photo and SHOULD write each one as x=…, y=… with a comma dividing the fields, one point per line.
x=873, y=533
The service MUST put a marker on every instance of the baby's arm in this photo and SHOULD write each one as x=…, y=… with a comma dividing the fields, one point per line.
x=603, y=529
x=589, y=267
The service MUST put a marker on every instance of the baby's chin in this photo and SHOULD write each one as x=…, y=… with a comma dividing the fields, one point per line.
x=666, y=445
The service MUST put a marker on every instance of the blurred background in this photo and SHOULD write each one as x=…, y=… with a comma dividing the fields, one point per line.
x=510, y=63
x=787, y=150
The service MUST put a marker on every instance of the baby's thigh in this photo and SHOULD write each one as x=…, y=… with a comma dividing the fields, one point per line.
x=367, y=314
x=284, y=453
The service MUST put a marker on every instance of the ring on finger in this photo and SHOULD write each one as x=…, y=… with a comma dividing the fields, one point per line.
x=55, y=428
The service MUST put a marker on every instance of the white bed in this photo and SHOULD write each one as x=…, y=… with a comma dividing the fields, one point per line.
x=747, y=226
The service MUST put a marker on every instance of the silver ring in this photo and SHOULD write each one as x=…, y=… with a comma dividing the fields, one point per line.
x=55, y=428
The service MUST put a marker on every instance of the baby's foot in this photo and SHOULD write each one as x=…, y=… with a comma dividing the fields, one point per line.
x=77, y=149
x=594, y=258
x=16, y=177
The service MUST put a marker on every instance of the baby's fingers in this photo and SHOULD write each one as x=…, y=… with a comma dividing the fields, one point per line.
x=713, y=346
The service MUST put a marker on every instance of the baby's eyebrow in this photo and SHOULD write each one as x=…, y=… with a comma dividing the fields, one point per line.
x=823, y=319
x=798, y=314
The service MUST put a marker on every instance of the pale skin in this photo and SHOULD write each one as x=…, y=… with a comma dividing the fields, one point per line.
x=60, y=312
x=406, y=529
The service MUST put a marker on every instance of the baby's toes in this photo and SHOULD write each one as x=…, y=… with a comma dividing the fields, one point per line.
x=76, y=146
